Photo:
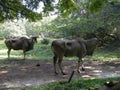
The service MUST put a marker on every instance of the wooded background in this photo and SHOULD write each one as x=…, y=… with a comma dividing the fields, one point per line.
x=61, y=19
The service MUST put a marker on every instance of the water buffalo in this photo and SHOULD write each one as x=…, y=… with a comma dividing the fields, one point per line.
x=78, y=47
x=20, y=43
x=112, y=85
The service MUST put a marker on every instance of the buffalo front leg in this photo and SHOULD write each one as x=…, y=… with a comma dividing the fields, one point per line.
x=54, y=63
x=78, y=67
x=8, y=53
x=80, y=62
x=60, y=66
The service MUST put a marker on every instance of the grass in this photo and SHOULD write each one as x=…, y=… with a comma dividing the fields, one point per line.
x=78, y=84
x=44, y=52
x=111, y=52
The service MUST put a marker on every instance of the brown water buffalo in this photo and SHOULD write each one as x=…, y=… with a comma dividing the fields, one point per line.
x=112, y=85
x=78, y=47
x=20, y=43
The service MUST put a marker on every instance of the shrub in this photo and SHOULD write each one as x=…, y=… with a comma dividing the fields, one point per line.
x=45, y=41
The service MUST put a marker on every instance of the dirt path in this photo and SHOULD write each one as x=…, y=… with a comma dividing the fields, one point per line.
x=19, y=73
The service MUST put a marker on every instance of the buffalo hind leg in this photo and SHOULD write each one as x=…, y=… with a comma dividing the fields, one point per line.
x=54, y=63
x=24, y=52
x=59, y=63
x=82, y=64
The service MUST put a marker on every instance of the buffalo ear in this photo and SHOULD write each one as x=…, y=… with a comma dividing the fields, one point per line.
x=34, y=39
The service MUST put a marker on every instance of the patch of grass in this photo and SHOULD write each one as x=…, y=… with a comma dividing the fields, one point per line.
x=110, y=52
x=78, y=84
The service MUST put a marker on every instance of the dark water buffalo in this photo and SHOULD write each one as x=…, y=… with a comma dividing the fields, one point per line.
x=78, y=47
x=20, y=43
x=112, y=85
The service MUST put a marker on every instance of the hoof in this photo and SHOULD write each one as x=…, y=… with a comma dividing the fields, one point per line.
x=56, y=73
x=37, y=65
x=78, y=71
x=63, y=73
x=83, y=69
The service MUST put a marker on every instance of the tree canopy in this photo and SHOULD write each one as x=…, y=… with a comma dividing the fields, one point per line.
x=15, y=9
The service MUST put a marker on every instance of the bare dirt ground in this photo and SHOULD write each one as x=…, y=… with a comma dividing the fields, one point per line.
x=19, y=73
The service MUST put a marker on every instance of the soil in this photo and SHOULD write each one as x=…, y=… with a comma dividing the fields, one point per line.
x=20, y=73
